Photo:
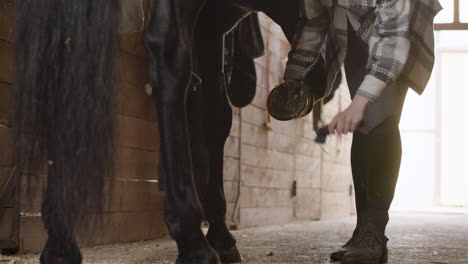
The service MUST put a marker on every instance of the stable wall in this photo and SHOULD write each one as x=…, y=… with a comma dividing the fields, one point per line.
x=263, y=157
x=266, y=158
x=134, y=205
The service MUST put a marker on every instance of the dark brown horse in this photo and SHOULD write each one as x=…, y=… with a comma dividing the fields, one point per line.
x=185, y=37
x=65, y=72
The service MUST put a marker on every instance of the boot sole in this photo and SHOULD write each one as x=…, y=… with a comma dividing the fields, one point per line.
x=383, y=260
x=363, y=262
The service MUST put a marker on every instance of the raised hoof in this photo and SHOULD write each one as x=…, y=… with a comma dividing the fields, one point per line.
x=230, y=255
x=289, y=100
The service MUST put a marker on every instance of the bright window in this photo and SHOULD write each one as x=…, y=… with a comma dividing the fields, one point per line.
x=447, y=14
x=464, y=11
x=454, y=16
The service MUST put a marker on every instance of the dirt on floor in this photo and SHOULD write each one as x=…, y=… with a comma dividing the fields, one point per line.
x=414, y=238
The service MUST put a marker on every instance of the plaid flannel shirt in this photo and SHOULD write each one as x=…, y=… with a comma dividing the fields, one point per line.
x=399, y=35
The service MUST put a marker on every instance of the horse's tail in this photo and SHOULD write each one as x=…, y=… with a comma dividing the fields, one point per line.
x=65, y=69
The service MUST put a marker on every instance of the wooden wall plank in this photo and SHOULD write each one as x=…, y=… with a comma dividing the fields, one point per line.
x=134, y=226
x=32, y=234
x=119, y=196
x=7, y=156
x=137, y=133
x=133, y=204
x=5, y=174
x=102, y=229
x=6, y=104
x=158, y=227
x=133, y=43
x=123, y=227
x=8, y=228
x=9, y=211
x=140, y=196
x=133, y=69
x=31, y=200
x=119, y=226
x=133, y=196
x=6, y=65
x=135, y=102
x=136, y=164
x=7, y=20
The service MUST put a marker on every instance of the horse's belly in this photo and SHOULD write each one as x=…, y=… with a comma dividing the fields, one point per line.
x=225, y=14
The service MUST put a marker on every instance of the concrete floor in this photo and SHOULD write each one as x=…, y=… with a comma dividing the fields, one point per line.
x=414, y=238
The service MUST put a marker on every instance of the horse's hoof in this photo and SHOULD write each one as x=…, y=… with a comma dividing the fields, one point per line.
x=206, y=258
x=230, y=255
x=289, y=101
x=222, y=241
x=193, y=261
x=57, y=260
x=10, y=251
x=50, y=256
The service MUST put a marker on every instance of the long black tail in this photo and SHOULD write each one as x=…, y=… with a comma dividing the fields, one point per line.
x=65, y=68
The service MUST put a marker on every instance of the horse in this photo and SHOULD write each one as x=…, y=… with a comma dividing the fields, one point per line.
x=65, y=68
x=185, y=39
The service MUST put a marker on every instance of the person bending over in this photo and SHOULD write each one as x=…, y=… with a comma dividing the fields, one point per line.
x=386, y=47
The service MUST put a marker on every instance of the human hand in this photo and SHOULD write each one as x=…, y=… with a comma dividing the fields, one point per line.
x=349, y=120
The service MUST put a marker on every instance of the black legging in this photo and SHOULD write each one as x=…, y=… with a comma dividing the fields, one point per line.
x=376, y=156
x=375, y=162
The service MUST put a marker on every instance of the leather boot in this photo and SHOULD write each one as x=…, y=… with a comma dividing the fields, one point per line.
x=370, y=247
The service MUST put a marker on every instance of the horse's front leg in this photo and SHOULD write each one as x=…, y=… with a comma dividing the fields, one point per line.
x=216, y=114
x=183, y=210
x=169, y=41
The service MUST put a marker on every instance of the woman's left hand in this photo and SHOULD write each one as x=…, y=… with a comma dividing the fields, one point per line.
x=350, y=119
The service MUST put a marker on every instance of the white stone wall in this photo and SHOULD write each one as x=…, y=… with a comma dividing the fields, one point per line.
x=264, y=157
x=337, y=189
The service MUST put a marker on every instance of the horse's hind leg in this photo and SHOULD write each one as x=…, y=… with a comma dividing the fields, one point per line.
x=64, y=109
x=61, y=247
x=169, y=39
x=58, y=218
x=214, y=202
x=217, y=120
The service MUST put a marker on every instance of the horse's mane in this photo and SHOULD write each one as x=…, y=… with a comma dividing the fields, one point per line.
x=65, y=64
